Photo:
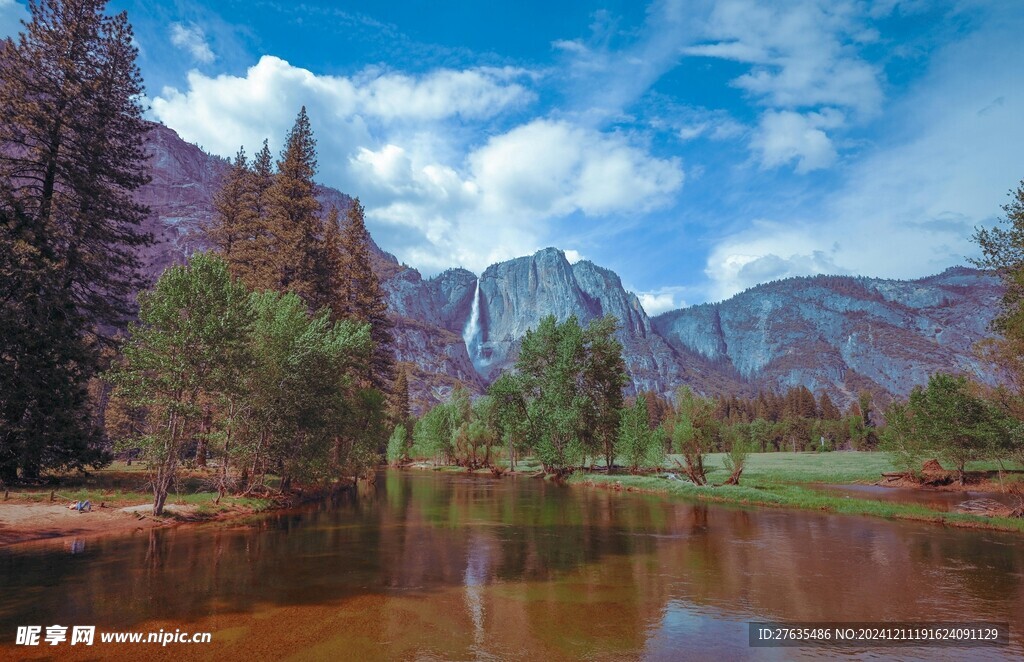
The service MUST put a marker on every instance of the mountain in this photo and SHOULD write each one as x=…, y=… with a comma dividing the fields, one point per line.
x=843, y=334
x=833, y=334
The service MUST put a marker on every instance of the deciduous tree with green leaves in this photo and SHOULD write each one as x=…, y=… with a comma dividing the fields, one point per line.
x=638, y=445
x=191, y=339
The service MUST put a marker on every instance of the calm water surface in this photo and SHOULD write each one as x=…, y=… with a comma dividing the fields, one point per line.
x=433, y=566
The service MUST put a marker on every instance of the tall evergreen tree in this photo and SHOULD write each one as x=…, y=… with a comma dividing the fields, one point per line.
x=827, y=408
x=45, y=414
x=360, y=297
x=71, y=148
x=71, y=156
x=400, y=397
x=294, y=213
x=233, y=211
x=329, y=267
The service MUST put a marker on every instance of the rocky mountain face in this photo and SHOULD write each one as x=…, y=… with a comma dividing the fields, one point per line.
x=833, y=334
x=842, y=334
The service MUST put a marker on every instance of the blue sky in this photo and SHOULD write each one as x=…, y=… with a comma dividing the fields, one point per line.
x=696, y=148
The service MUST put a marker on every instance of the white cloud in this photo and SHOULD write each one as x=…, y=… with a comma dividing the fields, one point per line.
x=495, y=204
x=907, y=208
x=436, y=193
x=573, y=256
x=661, y=300
x=554, y=168
x=803, y=54
x=192, y=39
x=768, y=251
x=785, y=136
x=225, y=111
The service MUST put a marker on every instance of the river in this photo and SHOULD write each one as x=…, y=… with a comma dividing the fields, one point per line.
x=427, y=565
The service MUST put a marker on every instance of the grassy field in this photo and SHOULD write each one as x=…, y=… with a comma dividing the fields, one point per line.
x=833, y=468
x=788, y=480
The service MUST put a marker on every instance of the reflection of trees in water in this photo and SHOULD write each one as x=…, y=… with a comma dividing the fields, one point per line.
x=569, y=560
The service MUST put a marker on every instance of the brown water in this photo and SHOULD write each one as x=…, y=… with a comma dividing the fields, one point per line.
x=432, y=566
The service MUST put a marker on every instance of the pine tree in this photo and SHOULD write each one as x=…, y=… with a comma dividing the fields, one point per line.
x=71, y=147
x=400, y=397
x=45, y=361
x=828, y=410
x=71, y=156
x=294, y=212
x=233, y=211
x=360, y=297
x=329, y=267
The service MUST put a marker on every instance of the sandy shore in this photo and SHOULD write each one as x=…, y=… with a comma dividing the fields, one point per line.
x=21, y=522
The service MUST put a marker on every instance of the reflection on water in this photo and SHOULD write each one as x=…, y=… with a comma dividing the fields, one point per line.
x=431, y=565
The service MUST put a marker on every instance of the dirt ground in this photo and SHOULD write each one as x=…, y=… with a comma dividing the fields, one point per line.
x=22, y=522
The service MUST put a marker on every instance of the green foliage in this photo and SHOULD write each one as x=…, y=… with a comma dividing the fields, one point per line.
x=564, y=400
x=603, y=377
x=735, y=460
x=694, y=432
x=900, y=439
x=432, y=435
x=190, y=341
x=273, y=383
x=1003, y=251
x=638, y=445
x=549, y=363
x=398, y=450
x=948, y=420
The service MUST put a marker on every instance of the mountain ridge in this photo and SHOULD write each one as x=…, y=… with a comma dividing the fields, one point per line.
x=837, y=334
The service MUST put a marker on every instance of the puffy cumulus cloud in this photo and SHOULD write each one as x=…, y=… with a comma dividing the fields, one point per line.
x=192, y=39
x=767, y=251
x=573, y=256
x=555, y=168
x=494, y=204
x=785, y=136
x=225, y=111
x=662, y=300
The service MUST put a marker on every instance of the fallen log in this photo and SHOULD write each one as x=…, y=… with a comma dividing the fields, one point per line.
x=990, y=508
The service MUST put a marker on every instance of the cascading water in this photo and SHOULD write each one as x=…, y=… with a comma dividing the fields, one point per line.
x=471, y=334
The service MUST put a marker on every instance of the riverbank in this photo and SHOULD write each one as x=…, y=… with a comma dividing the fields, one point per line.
x=792, y=480
x=795, y=480
x=119, y=504
x=25, y=522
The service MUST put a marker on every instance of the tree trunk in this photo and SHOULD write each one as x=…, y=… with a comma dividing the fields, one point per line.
x=204, y=437
x=734, y=479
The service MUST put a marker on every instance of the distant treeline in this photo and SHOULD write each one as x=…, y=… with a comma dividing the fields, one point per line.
x=563, y=403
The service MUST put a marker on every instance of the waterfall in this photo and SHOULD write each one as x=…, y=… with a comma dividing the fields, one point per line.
x=471, y=334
